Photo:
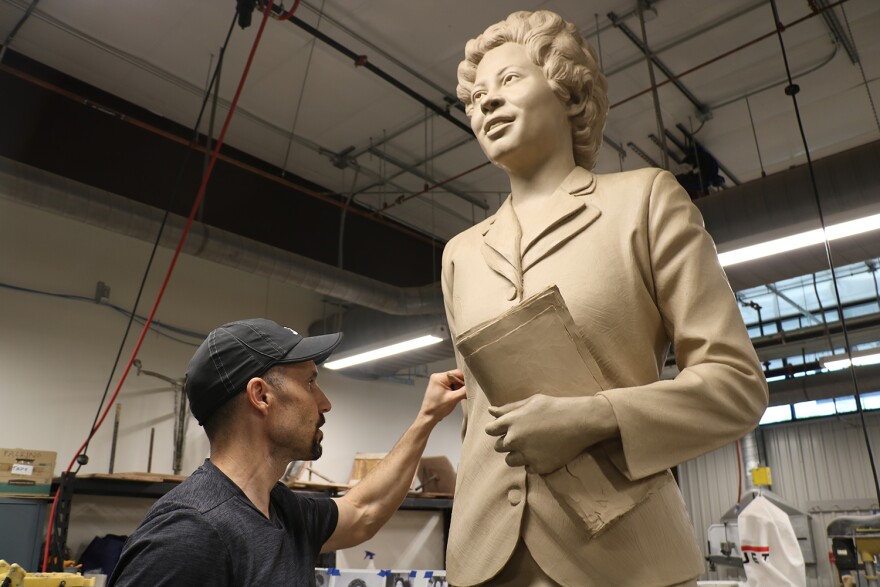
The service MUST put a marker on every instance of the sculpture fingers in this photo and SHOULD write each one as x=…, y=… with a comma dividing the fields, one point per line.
x=498, y=427
x=515, y=459
x=499, y=411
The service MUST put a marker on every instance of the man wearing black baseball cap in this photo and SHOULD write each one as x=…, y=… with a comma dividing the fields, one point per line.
x=253, y=385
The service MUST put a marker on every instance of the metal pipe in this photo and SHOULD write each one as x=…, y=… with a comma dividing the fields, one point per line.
x=724, y=19
x=150, y=452
x=654, y=60
x=696, y=143
x=422, y=175
x=750, y=457
x=650, y=161
x=14, y=31
x=649, y=59
x=362, y=61
x=726, y=54
x=115, y=437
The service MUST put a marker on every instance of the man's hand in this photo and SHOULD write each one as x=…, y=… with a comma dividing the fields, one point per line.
x=443, y=393
x=544, y=433
x=370, y=503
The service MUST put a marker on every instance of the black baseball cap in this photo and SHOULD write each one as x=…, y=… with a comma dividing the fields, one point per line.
x=236, y=352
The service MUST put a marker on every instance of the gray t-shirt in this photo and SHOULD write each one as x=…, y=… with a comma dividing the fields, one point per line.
x=207, y=532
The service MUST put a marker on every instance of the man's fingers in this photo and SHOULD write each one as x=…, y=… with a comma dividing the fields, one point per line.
x=455, y=378
x=499, y=445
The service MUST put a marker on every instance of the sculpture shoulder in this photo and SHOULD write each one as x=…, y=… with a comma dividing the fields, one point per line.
x=641, y=180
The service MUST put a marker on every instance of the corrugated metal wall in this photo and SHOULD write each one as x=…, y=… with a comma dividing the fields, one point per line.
x=820, y=467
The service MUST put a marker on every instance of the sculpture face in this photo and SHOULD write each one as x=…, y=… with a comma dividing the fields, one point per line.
x=517, y=118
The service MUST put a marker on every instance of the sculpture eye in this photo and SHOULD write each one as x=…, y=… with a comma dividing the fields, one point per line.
x=509, y=78
x=478, y=95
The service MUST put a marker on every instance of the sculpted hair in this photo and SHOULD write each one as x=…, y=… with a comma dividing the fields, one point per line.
x=568, y=61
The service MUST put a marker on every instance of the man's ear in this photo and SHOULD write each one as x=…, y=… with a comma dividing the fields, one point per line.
x=258, y=394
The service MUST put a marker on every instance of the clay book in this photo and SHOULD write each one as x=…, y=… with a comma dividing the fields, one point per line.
x=535, y=347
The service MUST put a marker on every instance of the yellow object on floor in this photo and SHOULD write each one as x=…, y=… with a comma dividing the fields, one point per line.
x=18, y=577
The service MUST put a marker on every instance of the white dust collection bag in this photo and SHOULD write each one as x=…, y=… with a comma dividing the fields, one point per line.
x=772, y=556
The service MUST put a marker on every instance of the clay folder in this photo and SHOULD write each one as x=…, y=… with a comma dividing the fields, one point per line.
x=535, y=347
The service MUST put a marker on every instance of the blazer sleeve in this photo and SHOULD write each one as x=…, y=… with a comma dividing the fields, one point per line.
x=720, y=392
x=447, y=280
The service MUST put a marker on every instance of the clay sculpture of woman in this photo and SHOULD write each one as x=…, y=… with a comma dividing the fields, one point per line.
x=638, y=273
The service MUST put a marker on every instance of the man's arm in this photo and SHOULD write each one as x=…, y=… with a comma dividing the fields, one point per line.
x=371, y=503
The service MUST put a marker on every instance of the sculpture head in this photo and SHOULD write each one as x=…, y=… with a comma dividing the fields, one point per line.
x=569, y=63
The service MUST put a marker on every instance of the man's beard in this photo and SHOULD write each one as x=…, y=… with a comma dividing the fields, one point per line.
x=317, y=449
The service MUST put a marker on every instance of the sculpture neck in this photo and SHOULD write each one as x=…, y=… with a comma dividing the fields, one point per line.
x=530, y=189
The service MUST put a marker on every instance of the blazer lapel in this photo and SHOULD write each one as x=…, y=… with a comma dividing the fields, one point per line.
x=501, y=248
x=566, y=215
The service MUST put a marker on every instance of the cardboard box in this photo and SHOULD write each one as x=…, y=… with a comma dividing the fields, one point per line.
x=26, y=472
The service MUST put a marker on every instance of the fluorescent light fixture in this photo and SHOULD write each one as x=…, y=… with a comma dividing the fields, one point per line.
x=799, y=241
x=859, y=358
x=409, y=343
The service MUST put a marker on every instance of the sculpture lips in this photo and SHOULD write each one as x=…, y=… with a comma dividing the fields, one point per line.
x=496, y=122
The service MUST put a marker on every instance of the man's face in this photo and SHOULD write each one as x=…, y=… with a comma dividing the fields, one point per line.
x=295, y=420
x=516, y=117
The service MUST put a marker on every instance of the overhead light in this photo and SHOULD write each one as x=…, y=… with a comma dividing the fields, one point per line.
x=801, y=240
x=388, y=348
x=859, y=359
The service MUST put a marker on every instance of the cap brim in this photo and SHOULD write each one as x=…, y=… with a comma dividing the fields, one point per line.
x=313, y=348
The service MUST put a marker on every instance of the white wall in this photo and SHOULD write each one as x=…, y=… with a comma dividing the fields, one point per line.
x=56, y=354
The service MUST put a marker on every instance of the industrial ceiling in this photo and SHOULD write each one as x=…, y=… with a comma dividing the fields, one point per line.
x=352, y=102
x=310, y=109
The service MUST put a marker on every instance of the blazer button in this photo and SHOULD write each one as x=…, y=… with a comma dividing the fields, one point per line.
x=514, y=496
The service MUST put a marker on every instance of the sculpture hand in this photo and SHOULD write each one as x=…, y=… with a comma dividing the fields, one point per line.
x=544, y=433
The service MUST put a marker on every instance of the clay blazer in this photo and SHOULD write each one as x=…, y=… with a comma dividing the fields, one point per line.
x=638, y=271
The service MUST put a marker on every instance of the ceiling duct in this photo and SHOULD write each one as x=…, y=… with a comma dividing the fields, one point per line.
x=783, y=204
x=766, y=208
x=52, y=193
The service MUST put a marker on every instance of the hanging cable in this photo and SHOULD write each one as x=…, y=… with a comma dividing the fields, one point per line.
x=755, y=135
x=157, y=326
x=174, y=186
x=149, y=320
x=792, y=90
x=664, y=153
x=302, y=88
x=599, y=40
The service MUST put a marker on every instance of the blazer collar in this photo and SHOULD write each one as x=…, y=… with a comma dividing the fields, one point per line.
x=510, y=251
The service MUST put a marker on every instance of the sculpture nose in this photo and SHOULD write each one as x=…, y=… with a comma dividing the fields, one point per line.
x=491, y=102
